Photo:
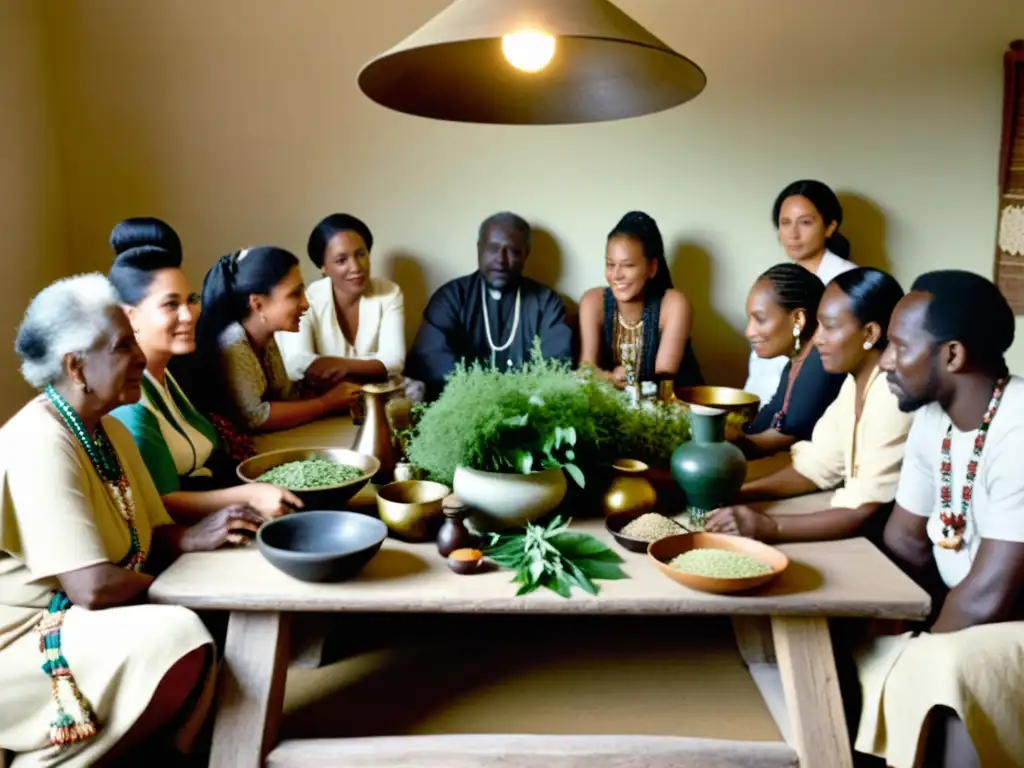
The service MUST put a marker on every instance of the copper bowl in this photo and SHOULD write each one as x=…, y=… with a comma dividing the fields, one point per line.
x=740, y=407
x=662, y=551
x=412, y=508
x=330, y=497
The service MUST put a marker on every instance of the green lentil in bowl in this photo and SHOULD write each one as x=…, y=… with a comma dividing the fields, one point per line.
x=310, y=473
x=719, y=564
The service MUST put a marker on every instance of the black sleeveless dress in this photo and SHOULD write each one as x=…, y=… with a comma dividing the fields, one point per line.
x=688, y=375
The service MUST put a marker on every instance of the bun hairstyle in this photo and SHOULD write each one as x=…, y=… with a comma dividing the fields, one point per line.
x=328, y=228
x=231, y=281
x=796, y=288
x=142, y=247
x=828, y=205
x=643, y=229
x=873, y=296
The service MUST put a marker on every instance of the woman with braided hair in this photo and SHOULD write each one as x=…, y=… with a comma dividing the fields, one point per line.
x=782, y=317
x=639, y=312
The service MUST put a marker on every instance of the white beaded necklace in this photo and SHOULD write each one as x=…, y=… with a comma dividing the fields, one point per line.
x=487, y=326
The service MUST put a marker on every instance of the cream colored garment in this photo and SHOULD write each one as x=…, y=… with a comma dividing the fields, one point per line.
x=56, y=515
x=863, y=457
x=976, y=672
x=380, y=336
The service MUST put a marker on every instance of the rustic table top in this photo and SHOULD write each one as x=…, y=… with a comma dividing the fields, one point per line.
x=840, y=578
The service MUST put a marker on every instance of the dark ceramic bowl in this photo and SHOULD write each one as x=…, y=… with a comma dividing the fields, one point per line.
x=322, y=545
x=325, y=497
x=615, y=524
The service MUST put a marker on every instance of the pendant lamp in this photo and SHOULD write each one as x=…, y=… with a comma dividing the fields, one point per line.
x=531, y=62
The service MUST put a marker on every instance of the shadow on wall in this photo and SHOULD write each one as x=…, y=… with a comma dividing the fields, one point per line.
x=404, y=268
x=545, y=266
x=864, y=226
x=720, y=348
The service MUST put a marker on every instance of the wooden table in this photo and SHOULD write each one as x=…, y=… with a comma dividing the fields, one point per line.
x=782, y=633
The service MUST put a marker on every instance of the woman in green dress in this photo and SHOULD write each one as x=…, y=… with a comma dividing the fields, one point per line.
x=89, y=671
x=180, y=446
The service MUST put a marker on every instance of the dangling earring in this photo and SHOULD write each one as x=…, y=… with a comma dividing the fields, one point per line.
x=796, y=338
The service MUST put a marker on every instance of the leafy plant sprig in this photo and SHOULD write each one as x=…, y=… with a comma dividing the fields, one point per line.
x=554, y=557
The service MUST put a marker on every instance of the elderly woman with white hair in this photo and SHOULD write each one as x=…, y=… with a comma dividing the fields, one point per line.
x=88, y=671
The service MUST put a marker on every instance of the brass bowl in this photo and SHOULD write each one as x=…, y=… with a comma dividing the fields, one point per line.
x=412, y=508
x=740, y=407
x=330, y=497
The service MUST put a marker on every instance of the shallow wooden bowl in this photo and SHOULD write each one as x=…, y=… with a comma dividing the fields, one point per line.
x=323, y=497
x=664, y=550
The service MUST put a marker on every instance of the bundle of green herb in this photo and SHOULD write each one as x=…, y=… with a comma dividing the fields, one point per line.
x=540, y=416
x=554, y=557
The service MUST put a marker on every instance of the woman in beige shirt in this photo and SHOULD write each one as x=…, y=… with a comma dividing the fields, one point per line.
x=857, y=446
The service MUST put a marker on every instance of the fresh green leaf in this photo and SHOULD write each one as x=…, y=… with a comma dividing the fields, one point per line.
x=599, y=569
x=536, y=570
x=581, y=578
x=576, y=474
x=561, y=584
x=575, y=545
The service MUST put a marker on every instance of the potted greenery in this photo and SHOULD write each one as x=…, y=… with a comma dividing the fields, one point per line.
x=532, y=455
x=506, y=440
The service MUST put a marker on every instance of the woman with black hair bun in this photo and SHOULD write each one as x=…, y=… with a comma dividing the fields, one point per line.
x=807, y=215
x=856, y=448
x=639, y=314
x=355, y=327
x=183, y=452
x=248, y=297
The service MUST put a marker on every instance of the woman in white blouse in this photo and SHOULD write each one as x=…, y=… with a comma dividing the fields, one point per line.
x=807, y=215
x=355, y=327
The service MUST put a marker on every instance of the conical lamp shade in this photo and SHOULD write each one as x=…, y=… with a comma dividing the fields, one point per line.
x=605, y=66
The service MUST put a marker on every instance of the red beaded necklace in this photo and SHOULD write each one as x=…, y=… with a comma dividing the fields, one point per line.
x=954, y=523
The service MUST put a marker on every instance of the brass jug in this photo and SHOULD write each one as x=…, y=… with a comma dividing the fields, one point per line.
x=374, y=437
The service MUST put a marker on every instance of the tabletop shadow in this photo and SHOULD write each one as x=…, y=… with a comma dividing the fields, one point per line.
x=796, y=579
x=393, y=564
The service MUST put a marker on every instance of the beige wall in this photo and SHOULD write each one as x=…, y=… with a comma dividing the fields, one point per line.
x=239, y=121
x=30, y=216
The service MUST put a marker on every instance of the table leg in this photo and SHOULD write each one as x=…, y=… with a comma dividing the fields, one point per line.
x=252, y=689
x=810, y=683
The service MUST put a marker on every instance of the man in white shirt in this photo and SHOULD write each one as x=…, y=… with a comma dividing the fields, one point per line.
x=958, y=530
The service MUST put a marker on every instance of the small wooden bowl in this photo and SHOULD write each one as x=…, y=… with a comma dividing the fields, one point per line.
x=466, y=561
x=664, y=550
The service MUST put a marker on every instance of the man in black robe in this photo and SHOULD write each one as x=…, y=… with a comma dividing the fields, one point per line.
x=492, y=315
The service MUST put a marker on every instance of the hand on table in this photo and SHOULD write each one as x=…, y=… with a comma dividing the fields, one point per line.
x=236, y=524
x=742, y=521
x=271, y=501
x=326, y=372
x=341, y=397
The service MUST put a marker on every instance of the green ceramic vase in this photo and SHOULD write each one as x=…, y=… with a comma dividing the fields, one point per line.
x=709, y=470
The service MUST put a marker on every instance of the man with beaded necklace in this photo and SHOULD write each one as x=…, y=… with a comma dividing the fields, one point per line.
x=491, y=316
x=952, y=691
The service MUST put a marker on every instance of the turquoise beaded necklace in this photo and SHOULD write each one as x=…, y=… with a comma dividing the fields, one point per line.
x=75, y=720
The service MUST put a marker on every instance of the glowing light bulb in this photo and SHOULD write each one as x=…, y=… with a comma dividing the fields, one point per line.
x=528, y=50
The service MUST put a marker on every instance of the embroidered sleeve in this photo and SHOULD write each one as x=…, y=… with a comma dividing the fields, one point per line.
x=246, y=383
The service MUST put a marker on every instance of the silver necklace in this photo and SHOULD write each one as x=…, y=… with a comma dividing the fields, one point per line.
x=487, y=325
